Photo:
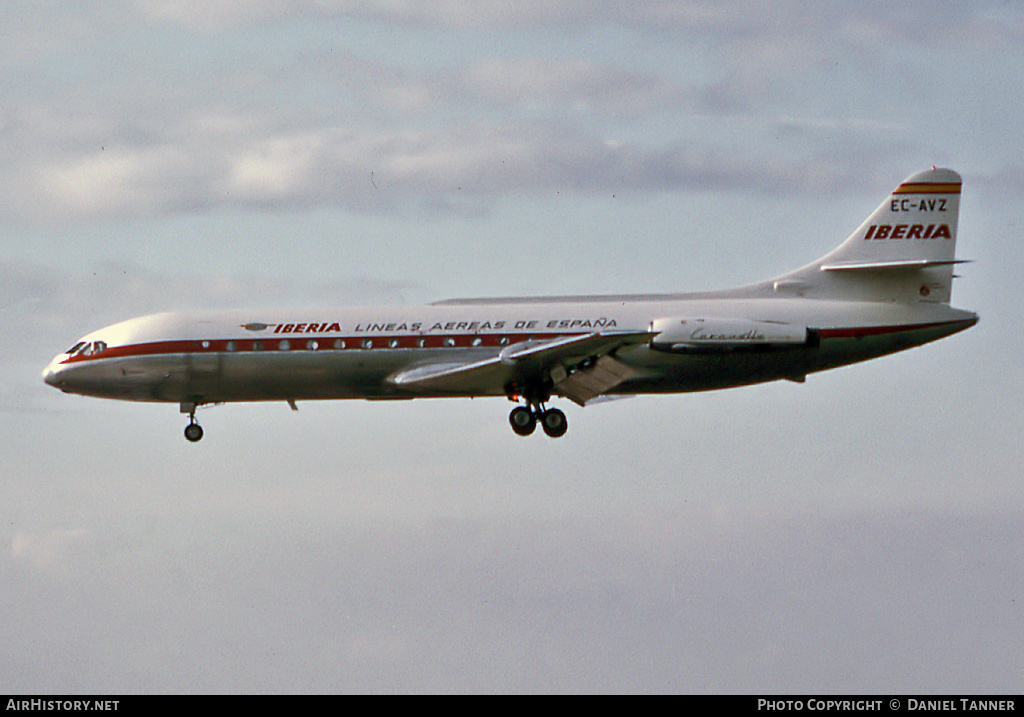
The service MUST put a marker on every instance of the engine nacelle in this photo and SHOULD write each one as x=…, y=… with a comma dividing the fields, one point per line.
x=696, y=334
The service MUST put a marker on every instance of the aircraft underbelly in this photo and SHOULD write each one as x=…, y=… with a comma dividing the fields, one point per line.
x=307, y=375
x=726, y=369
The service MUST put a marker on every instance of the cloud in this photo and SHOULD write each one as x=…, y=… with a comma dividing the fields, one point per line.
x=121, y=180
x=728, y=21
x=665, y=601
x=485, y=14
x=291, y=129
x=55, y=553
x=578, y=83
x=377, y=171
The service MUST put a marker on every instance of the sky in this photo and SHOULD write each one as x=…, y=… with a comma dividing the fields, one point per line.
x=861, y=532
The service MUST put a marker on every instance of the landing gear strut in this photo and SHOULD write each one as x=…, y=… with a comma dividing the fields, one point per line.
x=193, y=431
x=524, y=420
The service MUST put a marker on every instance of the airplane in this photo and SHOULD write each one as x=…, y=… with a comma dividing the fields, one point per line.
x=886, y=288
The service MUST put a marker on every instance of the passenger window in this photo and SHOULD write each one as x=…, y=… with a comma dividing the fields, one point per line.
x=449, y=341
x=477, y=341
x=284, y=345
x=393, y=343
x=230, y=346
x=367, y=343
x=312, y=345
x=339, y=344
x=257, y=345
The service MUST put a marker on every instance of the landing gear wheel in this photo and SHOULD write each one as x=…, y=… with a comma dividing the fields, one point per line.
x=522, y=420
x=193, y=432
x=554, y=423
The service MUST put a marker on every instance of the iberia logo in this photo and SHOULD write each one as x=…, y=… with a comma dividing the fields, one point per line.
x=908, y=231
x=306, y=328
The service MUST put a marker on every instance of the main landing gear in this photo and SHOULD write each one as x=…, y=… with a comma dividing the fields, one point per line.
x=524, y=420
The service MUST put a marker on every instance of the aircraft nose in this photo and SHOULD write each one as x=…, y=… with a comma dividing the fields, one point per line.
x=50, y=374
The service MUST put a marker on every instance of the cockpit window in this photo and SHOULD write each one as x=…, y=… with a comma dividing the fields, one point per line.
x=88, y=349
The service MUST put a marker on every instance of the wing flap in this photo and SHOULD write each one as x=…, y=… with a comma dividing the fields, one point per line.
x=587, y=384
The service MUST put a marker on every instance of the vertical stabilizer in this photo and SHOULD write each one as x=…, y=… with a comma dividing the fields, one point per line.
x=904, y=251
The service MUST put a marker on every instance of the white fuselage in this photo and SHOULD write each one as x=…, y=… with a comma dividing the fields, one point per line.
x=297, y=355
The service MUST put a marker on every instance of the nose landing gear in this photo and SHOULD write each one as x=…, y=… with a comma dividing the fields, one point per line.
x=193, y=431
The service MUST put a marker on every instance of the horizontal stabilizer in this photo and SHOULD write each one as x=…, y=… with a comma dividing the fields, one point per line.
x=897, y=264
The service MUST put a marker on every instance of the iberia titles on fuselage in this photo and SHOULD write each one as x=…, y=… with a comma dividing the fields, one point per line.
x=886, y=288
x=477, y=326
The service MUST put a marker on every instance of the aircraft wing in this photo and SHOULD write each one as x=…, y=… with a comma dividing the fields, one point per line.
x=578, y=367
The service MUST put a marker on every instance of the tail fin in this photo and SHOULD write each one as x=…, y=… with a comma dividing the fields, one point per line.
x=904, y=251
